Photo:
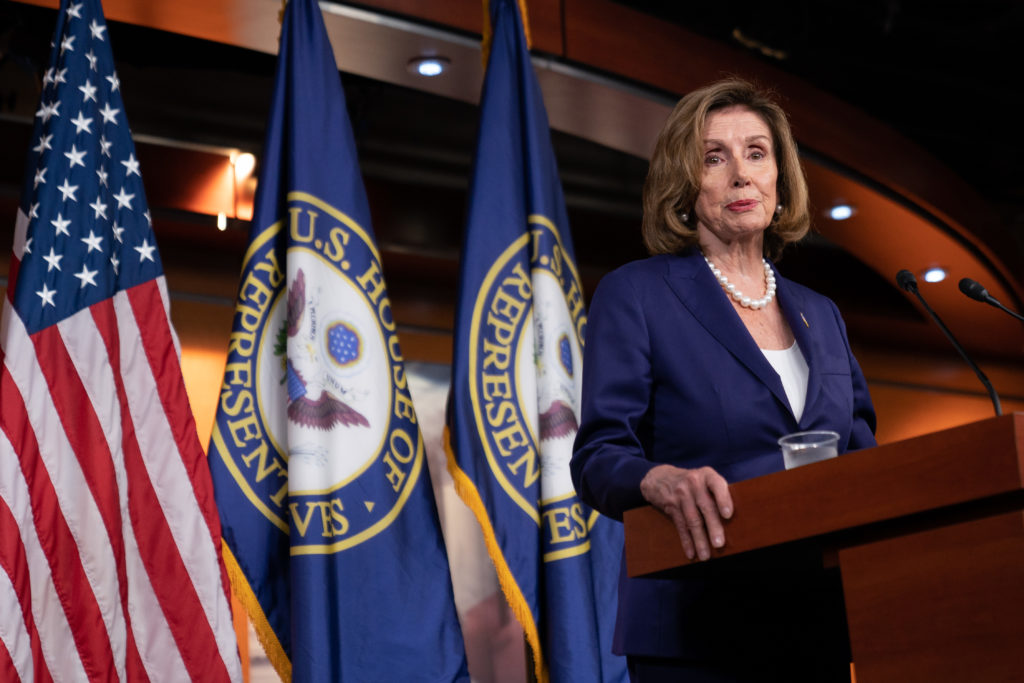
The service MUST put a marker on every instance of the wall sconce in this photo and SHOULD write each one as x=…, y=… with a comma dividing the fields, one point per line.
x=244, y=164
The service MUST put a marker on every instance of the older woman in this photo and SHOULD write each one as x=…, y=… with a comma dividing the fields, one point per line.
x=698, y=359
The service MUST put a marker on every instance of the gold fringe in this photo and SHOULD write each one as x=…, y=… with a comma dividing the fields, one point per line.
x=268, y=639
x=488, y=31
x=470, y=496
x=526, y=24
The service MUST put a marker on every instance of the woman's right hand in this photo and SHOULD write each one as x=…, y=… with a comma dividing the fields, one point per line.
x=697, y=501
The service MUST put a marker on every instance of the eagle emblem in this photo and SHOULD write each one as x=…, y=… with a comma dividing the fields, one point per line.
x=310, y=402
x=553, y=359
x=557, y=421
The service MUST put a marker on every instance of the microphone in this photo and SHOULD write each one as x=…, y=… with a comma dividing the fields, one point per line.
x=907, y=281
x=973, y=289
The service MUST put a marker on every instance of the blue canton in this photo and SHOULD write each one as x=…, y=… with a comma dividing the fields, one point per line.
x=89, y=233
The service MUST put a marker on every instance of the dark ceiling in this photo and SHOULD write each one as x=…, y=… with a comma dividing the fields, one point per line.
x=929, y=72
x=944, y=73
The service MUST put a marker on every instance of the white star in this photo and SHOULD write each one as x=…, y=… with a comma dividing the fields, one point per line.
x=48, y=77
x=61, y=225
x=33, y=210
x=88, y=91
x=114, y=82
x=75, y=156
x=67, y=45
x=149, y=221
x=114, y=262
x=109, y=115
x=88, y=277
x=132, y=165
x=118, y=231
x=60, y=76
x=53, y=260
x=47, y=296
x=44, y=143
x=146, y=252
x=92, y=59
x=73, y=11
x=124, y=199
x=93, y=240
x=105, y=145
x=97, y=30
x=68, y=190
x=102, y=176
x=82, y=123
x=28, y=245
x=48, y=110
x=40, y=178
x=99, y=208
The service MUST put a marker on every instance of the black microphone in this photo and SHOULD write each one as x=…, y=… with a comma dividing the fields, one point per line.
x=973, y=289
x=907, y=281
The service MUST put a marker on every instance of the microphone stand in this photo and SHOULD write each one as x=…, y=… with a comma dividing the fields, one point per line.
x=907, y=281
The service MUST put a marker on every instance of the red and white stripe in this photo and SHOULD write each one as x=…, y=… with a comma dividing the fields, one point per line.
x=109, y=538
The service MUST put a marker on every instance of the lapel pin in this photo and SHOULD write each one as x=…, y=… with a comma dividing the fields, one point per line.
x=806, y=324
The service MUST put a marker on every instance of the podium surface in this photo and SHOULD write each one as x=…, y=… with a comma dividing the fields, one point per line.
x=928, y=534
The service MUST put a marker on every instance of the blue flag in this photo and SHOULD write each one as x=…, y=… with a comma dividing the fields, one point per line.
x=517, y=370
x=331, y=532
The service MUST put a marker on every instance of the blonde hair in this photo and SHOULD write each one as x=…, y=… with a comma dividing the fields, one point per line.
x=674, y=176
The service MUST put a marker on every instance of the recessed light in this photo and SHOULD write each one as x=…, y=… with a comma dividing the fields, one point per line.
x=840, y=212
x=934, y=274
x=428, y=66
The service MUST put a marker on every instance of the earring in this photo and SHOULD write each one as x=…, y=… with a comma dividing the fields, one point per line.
x=778, y=209
x=684, y=217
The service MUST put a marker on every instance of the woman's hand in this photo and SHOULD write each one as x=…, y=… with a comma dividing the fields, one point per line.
x=696, y=500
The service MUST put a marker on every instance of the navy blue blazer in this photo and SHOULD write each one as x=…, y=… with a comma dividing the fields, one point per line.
x=673, y=376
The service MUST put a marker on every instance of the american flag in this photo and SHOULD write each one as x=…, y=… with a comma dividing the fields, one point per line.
x=110, y=565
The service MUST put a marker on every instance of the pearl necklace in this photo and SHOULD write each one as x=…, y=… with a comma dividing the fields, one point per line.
x=743, y=300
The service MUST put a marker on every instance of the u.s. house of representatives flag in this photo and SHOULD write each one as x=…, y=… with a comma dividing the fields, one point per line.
x=317, y=457
x=516, y=380
x=109, y=540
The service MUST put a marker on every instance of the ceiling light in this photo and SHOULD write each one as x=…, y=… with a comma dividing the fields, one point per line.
x=222, y=221
x=934, y=274
x=840, y=212
x=428, y=66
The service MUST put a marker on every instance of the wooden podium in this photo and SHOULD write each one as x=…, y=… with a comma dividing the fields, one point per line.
x=928, y=534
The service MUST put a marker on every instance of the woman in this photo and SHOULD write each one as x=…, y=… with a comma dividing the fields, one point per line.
x=698, y=359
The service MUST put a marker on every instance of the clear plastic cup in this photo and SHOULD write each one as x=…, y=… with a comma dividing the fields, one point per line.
x=803, y=448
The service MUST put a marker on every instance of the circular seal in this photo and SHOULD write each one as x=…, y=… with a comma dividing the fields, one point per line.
x=336, y=374
x=332, y=449
x=526, y=345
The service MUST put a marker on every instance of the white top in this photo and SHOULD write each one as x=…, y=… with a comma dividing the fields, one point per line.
x=792, y=369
